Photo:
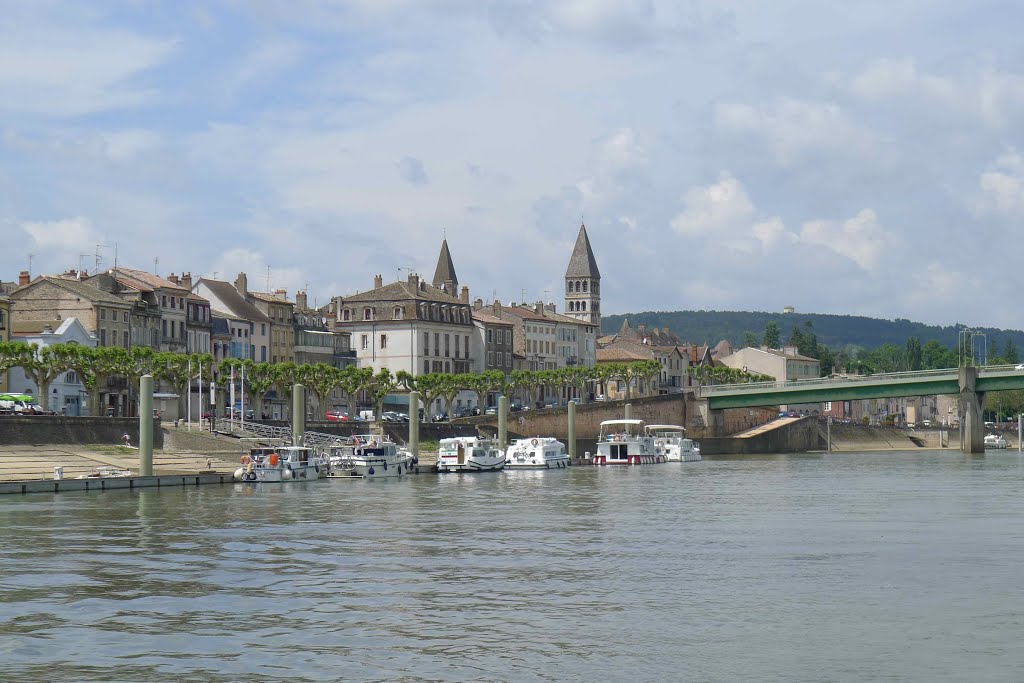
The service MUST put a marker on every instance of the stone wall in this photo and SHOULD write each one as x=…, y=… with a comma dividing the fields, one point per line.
x=57, y=429
x=795, y=437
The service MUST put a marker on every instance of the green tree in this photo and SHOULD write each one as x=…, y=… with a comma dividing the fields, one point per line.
x=914, y=354
x=260, y=378
x=1010, y=352
x=771, y=337
x=749, y=339
x=382, y=384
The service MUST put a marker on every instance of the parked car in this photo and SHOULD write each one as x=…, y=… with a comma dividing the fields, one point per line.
x=336, y=416
x=441, y=416
x=493, y=410
x=516, y=406
x=600, y=397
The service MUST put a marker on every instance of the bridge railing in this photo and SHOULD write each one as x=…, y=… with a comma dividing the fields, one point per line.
x=716, y=389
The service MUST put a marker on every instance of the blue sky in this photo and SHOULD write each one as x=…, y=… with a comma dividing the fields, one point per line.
x=837, y=157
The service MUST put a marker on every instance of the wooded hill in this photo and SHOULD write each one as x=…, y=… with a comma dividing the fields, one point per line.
x=839, y=332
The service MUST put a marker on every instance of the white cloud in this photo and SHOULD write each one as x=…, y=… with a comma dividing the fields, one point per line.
x=254, y=264
x=888, y=78
x=722, y=207
x=795, y=130
x=71, y=235
x=862, y=238
x=1001, y=188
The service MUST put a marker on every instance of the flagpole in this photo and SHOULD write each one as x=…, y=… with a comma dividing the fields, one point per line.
x=231, y=410
x=200, y=397
x=241, y=388
x=188, y=399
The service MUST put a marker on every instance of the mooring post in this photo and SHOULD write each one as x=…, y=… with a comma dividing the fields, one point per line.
x=146, y=426
x=572, y=431
x=973, y=426
x=829, y=433
x=298, y=414
x=1020, y=432
x=503, y=423
x=629, y=411
x=414, y=423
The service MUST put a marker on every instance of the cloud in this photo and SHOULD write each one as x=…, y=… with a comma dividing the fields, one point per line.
x=71, y=235
x=1001, y=188
x=862, y=238
x=254, y=264
x=412, y=171
x=722, y=207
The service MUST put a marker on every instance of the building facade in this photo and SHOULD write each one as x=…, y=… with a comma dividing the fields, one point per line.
x=67, y=394
x=583, y=282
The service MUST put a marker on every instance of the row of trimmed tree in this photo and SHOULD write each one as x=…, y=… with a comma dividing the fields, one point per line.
x=95, y=366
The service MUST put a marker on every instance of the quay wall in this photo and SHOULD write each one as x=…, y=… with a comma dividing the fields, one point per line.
x=59, y=429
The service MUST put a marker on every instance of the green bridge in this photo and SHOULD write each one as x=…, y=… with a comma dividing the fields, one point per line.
x=971, y=383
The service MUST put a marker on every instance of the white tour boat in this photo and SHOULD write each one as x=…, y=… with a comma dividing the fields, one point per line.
x=623, y=442
x=469, y=454
x=671, y=441
x=282, y=463
x=995, y=441
x=538, y=453
x=372, y=457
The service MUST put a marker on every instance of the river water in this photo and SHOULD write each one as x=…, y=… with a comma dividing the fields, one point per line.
x=902, y=566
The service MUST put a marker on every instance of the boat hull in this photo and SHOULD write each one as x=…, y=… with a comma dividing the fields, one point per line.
x=381, y=467
x=472, y=466
x=630, y=460
x=276, y=475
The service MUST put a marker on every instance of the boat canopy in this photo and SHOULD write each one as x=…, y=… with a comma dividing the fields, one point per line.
x=608, y=423
x=654, y=428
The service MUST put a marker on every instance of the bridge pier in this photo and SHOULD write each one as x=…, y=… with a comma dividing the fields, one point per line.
x=972, y=428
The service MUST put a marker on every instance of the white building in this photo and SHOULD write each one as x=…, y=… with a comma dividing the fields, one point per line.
x=68, y=395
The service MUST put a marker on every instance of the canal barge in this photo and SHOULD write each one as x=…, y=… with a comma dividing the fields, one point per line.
x=282, y=463
x=671, y=441
x=469, y=454
x=537, y=453
x=623, y=442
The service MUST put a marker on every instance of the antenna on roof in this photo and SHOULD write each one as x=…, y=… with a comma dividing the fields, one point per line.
x=30, y=265
x=268, y=278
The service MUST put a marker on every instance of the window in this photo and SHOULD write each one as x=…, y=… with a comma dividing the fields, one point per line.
x=585, y=283
x=466, y=345
x=163, y=301
x=174, y=302
x=367, y=313
x=426, y=344
x=345, y=315
x=103, y=314
x=383, y=341
x=364, y=341
x=437, y=343
x=126, y=340
x=126, y=316
x=489, y=335
x=447, y=366
x=163, y=325
x=508, y=358
x=490, y=358
x=263, y=329
x=398, y=313
x=103, y=337
x=426, y=366
x=447, y=349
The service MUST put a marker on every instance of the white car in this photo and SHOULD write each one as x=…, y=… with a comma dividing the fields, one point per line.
x=1019, y=366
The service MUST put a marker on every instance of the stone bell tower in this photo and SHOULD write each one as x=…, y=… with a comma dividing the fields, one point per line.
x=583, y=282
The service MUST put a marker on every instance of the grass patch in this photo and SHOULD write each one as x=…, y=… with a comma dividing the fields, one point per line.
x=112, y=450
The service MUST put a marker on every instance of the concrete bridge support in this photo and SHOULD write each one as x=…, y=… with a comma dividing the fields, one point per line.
x=972, y=429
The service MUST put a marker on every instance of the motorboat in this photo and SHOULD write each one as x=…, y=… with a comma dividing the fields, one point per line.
x=372, y=457
x=469, y=454
x=106, y=472
x=623, y=442
x=281, y=463
x=671, y=441
x=538, y=453
x=995, y=441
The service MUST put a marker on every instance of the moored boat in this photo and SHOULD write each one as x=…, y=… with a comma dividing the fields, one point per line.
x=537, y=453
x=995, y=441
x=671, y=441
x=623, y=442
x=372, y=457
x=469, y=454
x=282, y=463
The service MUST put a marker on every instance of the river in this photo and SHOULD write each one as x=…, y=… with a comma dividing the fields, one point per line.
x=902, y=566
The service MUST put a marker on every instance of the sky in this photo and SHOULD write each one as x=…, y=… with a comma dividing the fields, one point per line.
x=862, y=158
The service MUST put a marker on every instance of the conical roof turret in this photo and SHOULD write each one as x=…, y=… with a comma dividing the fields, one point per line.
x=445, y=271
x=582, y=262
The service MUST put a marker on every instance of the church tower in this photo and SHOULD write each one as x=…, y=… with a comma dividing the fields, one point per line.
x=444, y=274
x=583, y=282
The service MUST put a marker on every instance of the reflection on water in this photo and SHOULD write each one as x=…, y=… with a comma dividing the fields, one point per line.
x=803, y=567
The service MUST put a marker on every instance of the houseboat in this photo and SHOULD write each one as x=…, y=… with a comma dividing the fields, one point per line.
x=282, y=463
x=469, y=454
x=995, y=441
x=538, y=453
x=623, y=442
x=671, y=441
x=372, y=457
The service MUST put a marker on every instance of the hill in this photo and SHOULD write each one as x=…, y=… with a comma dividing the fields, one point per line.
x=835, y=331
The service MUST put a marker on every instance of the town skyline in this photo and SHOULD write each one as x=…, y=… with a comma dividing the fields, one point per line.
x=727, y=157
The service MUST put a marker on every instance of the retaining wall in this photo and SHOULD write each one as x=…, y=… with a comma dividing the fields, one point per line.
x=59, y=429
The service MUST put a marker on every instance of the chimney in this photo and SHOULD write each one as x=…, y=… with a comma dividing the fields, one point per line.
x=173, y=278
x=478, y=304
x=414, y=281
x=23, y=278
x=538, y=307
x=378, y=281
x=496, y=307
x=789, y=350
x=464, y=298
x=241, y=285
x=300, y=300
x=281, y=294
x=550, y=308
x=186, y=280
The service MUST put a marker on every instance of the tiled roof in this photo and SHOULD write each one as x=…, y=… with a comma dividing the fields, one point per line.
x=490, y=319
x=142, y=281
x=402, y=291
x=239, y=307
x=615, y=355
x=270, y=298
x=527, y=314
x=78, y=288
x=582, y=262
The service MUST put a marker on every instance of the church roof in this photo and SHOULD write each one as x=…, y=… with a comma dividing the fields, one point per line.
x=445, y=268
x=582, y=262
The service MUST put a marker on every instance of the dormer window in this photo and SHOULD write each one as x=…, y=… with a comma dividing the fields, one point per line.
x=346, y=315
x=367, y=313
x=397, y=315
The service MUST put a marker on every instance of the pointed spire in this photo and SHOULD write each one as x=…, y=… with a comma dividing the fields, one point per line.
x=582, y=262
x=445, y=271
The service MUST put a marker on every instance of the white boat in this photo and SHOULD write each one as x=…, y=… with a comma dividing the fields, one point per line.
x=995, y=441
x=105, y=472
x=671, y=441
x=372, y=457
x=282, y=463
x=623, y=442
x=538, y=453
x=469, y=454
